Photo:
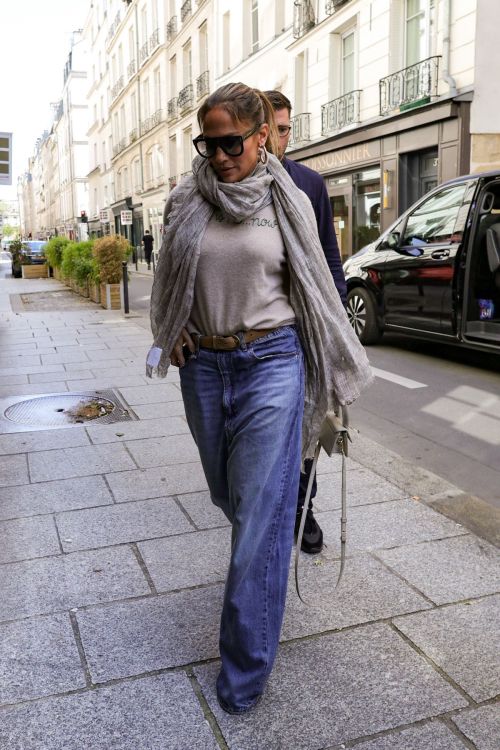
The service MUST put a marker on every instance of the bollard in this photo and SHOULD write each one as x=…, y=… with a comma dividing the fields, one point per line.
x=125, y=286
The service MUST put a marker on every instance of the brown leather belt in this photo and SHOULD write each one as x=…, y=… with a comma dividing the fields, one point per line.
x=229, y=343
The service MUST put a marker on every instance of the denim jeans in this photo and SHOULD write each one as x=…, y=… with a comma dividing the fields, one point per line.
x=244, y=409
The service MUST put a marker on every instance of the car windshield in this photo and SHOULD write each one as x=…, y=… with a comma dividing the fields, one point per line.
x=35, y=247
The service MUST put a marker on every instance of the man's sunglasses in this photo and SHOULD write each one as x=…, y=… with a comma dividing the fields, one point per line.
x=232, y=145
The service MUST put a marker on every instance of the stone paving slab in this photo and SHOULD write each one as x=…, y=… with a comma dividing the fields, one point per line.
x=201, y=510
x=145, y=395
x=32, y=389
x=59, y=583
x=367, y=592
x=464, y=640
x=78, y=462
x=184, y=561
x=131, y=638
x=119, y=524
x=63, y=376
x=358, y=683
x=431, y=736
x=99, y=383
x=156, y=482
x=21, y=360
x=16, y=379
x=468, y=567
x=93, y=366
x=388, y=524
x=38, y=657
x=166, y=451
x=28, y=370
x=27, y=538
x=13, y=470
x=154, y=713
x=140, y=430
x=78, y=357
x=481, y=726
x=109, y=354
x=164, y=411
x=363, y=487
x=38, y=440
x=49, y=497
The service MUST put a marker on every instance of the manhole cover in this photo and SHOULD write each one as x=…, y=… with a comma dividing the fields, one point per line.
x=59, y=409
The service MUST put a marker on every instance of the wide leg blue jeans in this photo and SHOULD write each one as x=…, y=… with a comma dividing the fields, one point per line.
x=244, y=410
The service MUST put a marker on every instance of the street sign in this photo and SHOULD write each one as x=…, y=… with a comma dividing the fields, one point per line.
x=126, y=217
x=104, y=216
x=5, y=158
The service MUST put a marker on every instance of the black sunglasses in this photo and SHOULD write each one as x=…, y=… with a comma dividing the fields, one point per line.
x=232, y=145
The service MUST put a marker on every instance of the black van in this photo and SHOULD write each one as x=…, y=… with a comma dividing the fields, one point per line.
x=435, y=273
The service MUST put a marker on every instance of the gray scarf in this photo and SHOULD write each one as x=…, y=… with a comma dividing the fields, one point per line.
x=337, y=368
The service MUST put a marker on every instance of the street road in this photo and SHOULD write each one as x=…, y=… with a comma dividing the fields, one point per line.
x=437, y=406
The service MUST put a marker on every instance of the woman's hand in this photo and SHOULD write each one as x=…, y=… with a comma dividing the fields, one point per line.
x=183, y=344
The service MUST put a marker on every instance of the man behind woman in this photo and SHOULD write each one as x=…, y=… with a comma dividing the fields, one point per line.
x=244, y=304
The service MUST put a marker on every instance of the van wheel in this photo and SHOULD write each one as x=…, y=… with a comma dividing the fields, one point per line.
x=362, y=316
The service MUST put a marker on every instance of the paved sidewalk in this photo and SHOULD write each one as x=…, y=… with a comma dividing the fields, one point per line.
x=112, y=564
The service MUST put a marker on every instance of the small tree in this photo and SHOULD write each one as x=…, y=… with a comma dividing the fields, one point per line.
x=54, y=250
x=110, y=252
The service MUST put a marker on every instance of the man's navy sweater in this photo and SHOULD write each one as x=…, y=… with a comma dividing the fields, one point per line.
x=312, y=184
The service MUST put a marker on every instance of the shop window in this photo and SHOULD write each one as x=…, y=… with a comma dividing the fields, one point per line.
x=366, y=214
x=418, y=173
x=436, y=219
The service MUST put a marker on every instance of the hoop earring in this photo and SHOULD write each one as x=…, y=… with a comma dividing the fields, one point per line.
x=263, y=155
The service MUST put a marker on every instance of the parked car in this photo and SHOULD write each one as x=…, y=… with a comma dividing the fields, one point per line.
x=33, y=252
x=435, y=273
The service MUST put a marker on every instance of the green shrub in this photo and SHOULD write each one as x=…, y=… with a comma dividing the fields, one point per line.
x=54, y=250
x=110, y=252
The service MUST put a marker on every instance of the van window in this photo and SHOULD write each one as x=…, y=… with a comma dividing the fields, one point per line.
x=438, y=219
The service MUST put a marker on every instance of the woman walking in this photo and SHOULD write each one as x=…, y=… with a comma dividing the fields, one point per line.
x=243, y=303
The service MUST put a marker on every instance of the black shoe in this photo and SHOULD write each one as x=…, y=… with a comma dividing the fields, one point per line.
x=312, y=538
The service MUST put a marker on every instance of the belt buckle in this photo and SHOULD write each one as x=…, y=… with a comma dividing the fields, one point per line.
x=219, y=342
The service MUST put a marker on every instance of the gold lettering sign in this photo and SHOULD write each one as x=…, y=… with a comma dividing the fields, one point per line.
x=344, y=157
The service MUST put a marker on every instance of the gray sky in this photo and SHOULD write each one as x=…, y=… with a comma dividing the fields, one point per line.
x=35, y=38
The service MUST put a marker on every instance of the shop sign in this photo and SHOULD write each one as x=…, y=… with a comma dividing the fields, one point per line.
x=344, y=157
x=104, y=216
x=126, y=217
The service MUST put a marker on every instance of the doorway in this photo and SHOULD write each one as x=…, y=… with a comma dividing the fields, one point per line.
x=340, y=192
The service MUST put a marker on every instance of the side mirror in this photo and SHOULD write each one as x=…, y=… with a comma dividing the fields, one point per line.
x=390, y=242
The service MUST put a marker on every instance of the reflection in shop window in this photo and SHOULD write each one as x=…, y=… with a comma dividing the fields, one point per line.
x=366, y=214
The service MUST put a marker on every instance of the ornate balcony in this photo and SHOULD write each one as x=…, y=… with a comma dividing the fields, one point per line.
x=303, y=17
x=172, y=182
x=172, y=109
x=340, y=112
x=333, y=5
x=131, y=68
x=410, y=87
x=202, y=85
x=154, y=40
x=300, y=131
x=156, y=118
x=171, y=28
x=117, y=88
x=143, y=53
x=113, y=28
x=185, y=100
x=133, y=135
x=186, y=10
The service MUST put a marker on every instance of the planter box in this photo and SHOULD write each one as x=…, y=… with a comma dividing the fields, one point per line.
x=94, y=292
x=35, y=271
x=111, y=296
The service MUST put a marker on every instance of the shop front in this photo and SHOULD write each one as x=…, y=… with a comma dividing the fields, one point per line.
x=374, y=173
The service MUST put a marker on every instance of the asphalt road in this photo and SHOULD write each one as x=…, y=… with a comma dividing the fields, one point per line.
x=437, y=406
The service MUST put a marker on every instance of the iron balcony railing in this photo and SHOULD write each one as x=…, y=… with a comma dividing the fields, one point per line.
x=117, y=87
x=143, y=53
x=186, y=10
x=202, y=85
x=151, y=122
x=154, y=40
x=300, y=131
x=333, y=5
x=133, y=135
x=131, y=68
x=172, y=182
x=171, y=28
x=172, y=109
x=409, y=87
x=185, y=100
x=303, y=17
x=113, y=28
x=119, y=147
x=340, y=112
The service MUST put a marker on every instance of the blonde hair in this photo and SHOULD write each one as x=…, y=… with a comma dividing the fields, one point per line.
x=243, y=104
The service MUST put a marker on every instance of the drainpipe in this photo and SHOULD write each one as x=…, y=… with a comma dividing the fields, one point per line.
x=445, y=75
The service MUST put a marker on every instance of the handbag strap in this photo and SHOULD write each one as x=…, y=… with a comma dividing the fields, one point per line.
x=333, y=439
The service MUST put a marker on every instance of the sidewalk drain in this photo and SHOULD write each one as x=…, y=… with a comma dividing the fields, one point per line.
x=67, y=409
